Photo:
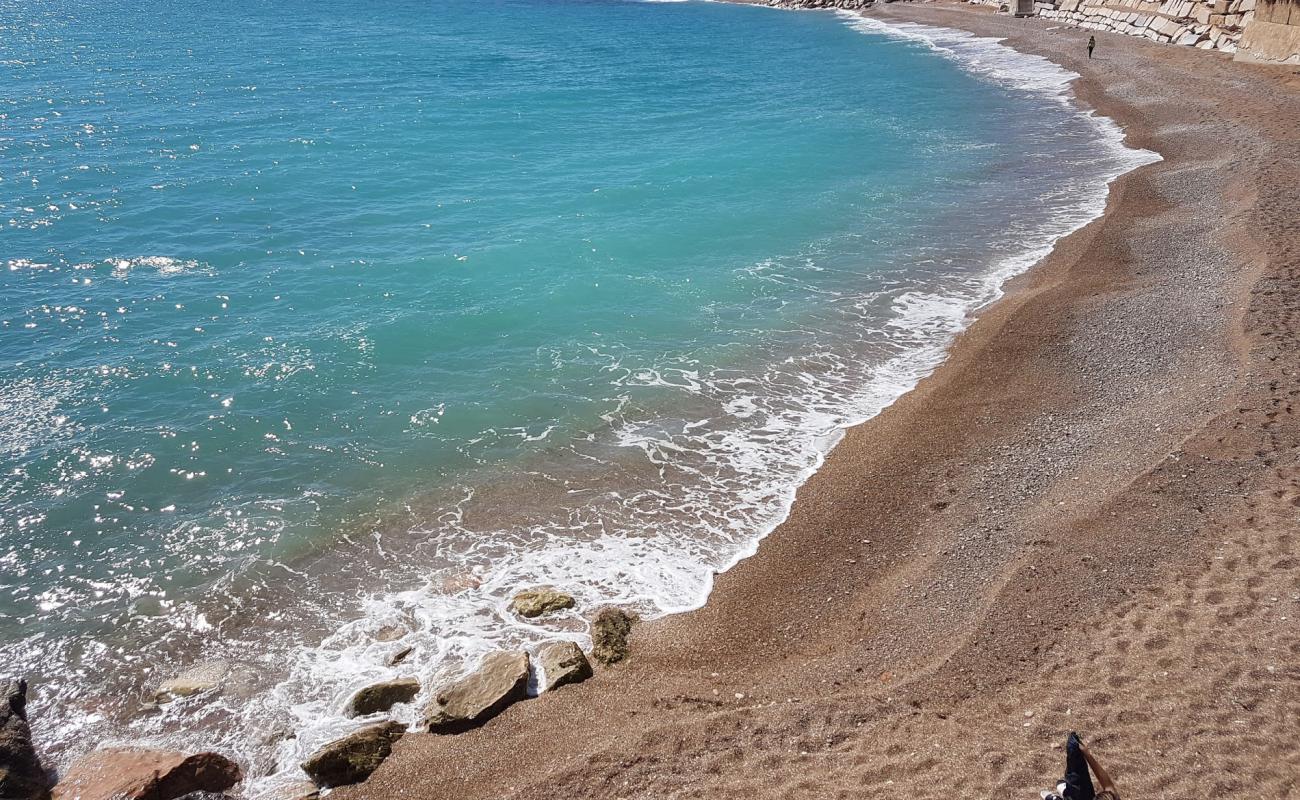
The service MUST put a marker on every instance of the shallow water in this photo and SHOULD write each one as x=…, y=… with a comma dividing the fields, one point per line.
x=324, y=323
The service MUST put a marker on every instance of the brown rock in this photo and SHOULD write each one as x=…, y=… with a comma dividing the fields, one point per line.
x=536, y=602
x=609, y=632
x=501, y=680
x=382, y=696
x=352, y=758
x=21, y=776
x=563, y=663
x=131, y=773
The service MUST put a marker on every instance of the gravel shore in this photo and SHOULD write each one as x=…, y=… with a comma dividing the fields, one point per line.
x=1085, y=520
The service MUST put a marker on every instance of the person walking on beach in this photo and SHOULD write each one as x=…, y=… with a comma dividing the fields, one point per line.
x=1077, y=783
x=1092, y=42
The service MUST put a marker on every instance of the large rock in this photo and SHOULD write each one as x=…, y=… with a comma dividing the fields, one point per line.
x=563, y=663
x=609, y=632
x=380, y=697
x=352, y=758
x=501, y=680
x=21, y=776
x=131, y=773
x=536, y=602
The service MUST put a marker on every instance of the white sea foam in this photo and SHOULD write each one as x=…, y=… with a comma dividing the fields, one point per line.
x=163, y=265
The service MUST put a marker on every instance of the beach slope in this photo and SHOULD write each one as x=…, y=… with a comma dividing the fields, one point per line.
x=1085, y=520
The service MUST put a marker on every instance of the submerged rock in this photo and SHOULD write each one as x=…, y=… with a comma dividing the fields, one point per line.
x=563, y=663
x=232, y=680
x=130, y=773
x=196, y=679
x=609, y=632
x=536, y=602
x=21, y=776
x=382, y=696
x=473, y=700
x=390, y=633
x=352, y=758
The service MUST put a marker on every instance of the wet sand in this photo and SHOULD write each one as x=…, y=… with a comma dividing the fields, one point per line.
x=1087, y=519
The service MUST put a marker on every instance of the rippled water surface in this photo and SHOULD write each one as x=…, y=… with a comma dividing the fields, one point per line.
x=326, y=326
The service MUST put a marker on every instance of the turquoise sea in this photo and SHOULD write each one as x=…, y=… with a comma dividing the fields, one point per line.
x=324, y=327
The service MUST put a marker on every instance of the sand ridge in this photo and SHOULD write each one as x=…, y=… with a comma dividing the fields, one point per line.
x=1086, y=519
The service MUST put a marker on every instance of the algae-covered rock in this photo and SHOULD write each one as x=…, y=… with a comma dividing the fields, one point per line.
x=563, y=663
x=502, y=679
x=536, y=602
x=382, y=696
x=352, y=758
x=609, y=632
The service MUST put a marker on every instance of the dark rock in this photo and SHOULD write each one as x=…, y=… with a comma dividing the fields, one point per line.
x=536, y=602
x=609, y=632
x=563, y=663
x=352, y=758
x=131, y=773
x=501, y=680
x=382, y=696
x=400, y=656
x=21, y=776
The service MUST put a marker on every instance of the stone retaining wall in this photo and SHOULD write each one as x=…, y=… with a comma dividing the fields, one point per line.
x=1212, y=25
x=1255, y=30
x=1273, y=36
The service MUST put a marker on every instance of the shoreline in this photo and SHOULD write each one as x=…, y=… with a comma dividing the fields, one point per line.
x=818, y=634
x=995, y=281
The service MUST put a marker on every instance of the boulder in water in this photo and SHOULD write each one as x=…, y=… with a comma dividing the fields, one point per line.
x=352, y=758
x=609, y=632
x=563, y=663
x=232, y=680
x=380, y=697
x=196, y=679
x=502, y=679
x=132, y=773
x=536, y=602
x=400, y=656
x=21, y=776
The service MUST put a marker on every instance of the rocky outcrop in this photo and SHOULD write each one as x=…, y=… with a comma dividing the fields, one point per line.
x=536, y=602
x=609, y=632
x=131, y=773
x=563, y=663
x=380, y=697
x=502, y=679
x=21, y=776
x=352, y=758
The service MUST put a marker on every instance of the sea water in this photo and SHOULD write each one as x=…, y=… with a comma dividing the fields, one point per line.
x=327, y=326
